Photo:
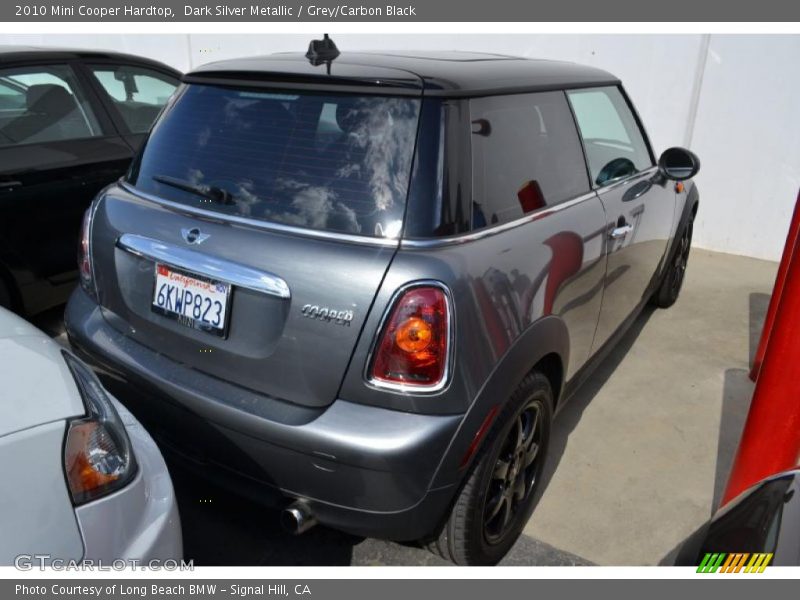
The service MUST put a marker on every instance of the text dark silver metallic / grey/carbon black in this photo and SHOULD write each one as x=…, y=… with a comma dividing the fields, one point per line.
x=408, y=265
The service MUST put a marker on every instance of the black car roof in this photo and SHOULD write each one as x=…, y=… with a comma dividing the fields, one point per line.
x=21, y=54
x=452, y=74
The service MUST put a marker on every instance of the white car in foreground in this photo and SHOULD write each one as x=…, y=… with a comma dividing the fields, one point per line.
x=81, y=478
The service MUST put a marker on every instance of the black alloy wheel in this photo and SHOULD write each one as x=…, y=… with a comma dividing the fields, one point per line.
x=503, y=482
x=515, y=473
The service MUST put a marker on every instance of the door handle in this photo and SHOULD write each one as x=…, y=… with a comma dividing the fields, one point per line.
x=9, y=185
x=620, y=232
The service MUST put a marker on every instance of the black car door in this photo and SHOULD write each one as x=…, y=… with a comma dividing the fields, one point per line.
x=639, y=205
x=58, y=148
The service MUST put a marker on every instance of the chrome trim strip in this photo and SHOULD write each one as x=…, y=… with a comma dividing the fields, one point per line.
x=419, y=390
x=483, y=233
x=204, y=264
x=648, y=172
x=256, y=224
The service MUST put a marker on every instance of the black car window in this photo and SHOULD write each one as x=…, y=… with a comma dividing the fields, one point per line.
x=615, y=146
x=330, y=162
x=12, y=95
x=138, y=94
x=43, y=104
x=526, y=155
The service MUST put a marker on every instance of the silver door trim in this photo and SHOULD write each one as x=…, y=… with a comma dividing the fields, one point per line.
x=490, y=231
x=618, y=183
x=213, y=267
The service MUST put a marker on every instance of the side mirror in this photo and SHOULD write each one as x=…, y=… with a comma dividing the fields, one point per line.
x=678, y=164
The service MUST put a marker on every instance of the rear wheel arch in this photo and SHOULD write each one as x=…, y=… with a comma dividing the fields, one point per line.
x=500, y=489
x=538, y=357
x=543, y=347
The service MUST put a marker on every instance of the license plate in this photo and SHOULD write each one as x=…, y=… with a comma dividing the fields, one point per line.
x=192, y=300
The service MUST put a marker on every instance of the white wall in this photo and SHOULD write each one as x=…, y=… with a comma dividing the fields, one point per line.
x=732, y=99
x=747, y=134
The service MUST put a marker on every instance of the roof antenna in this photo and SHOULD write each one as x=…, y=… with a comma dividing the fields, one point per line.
x=322, y=51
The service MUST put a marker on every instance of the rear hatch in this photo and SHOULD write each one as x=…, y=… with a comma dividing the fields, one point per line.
x=280, y=209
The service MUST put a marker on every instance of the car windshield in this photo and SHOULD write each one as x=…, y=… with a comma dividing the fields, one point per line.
x=338, y=163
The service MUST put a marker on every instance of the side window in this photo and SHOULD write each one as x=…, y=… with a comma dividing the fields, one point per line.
x=526, y=155
x=43, y=104
x=12, y=95
x=615, y=146
x=138, y=94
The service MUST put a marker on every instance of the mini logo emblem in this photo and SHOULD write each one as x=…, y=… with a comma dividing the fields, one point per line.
x=194, y=235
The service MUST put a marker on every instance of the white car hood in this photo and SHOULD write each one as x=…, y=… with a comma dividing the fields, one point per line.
x=36, y=386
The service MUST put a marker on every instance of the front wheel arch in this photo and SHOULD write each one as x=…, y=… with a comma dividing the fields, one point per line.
x=659, y=293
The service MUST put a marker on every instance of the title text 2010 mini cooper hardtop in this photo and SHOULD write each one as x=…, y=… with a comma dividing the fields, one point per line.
x=369, y=284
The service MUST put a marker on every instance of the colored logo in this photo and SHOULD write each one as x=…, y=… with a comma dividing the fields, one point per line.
x=734, y=562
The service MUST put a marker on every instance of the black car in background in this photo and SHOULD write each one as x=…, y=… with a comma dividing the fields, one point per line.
x=70, y=122
x=760, y=525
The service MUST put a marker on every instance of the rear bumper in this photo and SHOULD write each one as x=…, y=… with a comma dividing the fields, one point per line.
x=361, y=469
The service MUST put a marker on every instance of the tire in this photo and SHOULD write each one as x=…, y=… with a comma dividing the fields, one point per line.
x=473, y=535
x=670, y=288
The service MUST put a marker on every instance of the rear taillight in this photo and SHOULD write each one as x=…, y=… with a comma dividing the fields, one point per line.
x=85, y=254
x=414, y=345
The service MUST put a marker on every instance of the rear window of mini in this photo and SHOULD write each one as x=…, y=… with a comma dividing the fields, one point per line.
x=331, y=162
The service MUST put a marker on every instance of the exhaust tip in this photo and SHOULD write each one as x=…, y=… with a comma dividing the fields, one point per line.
x=297, y=518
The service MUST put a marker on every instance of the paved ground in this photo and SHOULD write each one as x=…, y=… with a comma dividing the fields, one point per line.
x=220, y=529
x=642, y=451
